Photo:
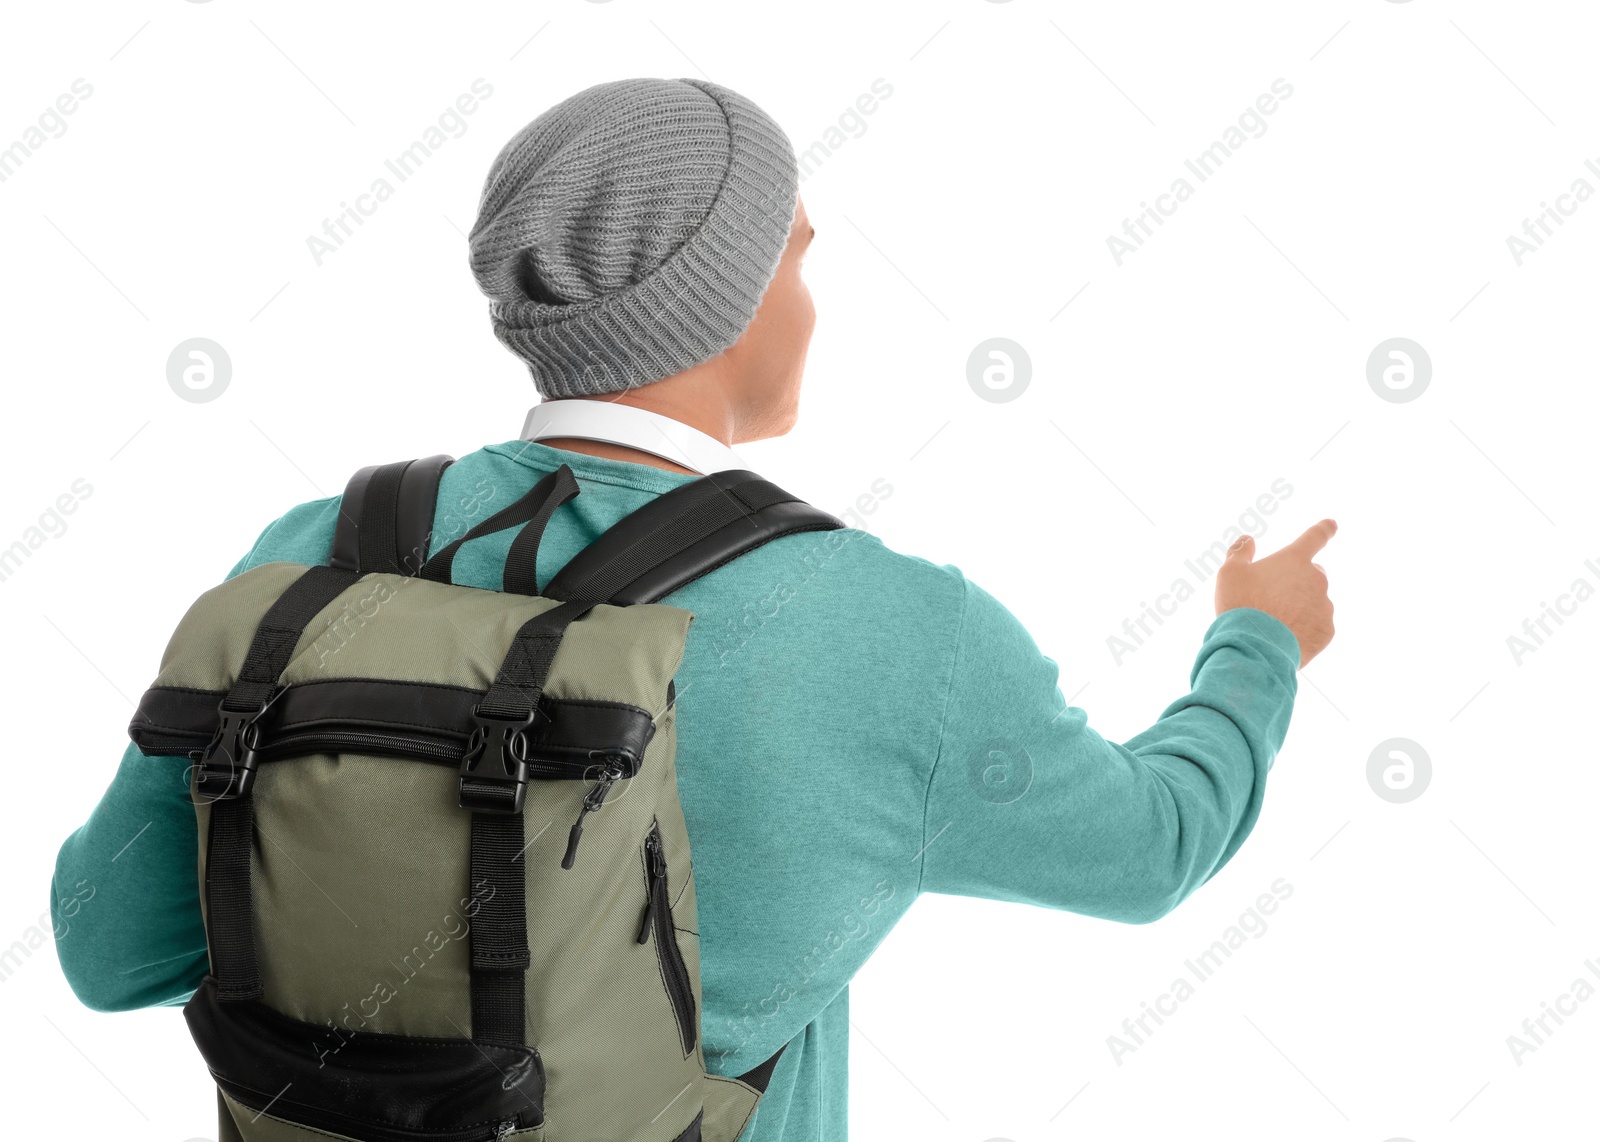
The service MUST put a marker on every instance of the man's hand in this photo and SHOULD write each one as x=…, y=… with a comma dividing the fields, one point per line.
x=1286, y=585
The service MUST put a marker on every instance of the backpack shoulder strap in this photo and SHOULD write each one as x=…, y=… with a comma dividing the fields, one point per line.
x=684, y=534
x=386, y=516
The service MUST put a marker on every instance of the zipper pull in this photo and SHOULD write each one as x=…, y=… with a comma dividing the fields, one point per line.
x=592, y=800
x=649, y=915
x=658, y=872
x=503, y=1129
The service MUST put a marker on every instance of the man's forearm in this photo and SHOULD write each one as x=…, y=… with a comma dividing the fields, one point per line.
x=1121, y=831
x=125, y=895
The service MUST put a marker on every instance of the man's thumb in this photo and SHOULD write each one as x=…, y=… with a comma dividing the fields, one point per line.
x=1243, y=550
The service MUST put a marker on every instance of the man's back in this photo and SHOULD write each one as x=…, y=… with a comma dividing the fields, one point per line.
x=856, y=726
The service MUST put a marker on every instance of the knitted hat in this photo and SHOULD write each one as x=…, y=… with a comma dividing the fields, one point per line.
x=629, y=232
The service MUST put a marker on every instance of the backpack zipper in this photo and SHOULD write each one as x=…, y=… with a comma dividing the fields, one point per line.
x=610, y=773
x=411, y=745
x=417, y=745
x=658, y=919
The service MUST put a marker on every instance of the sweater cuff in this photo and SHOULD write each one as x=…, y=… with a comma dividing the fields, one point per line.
x=1248, y=620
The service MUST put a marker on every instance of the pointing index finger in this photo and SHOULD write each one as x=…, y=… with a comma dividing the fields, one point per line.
x=1314, y=538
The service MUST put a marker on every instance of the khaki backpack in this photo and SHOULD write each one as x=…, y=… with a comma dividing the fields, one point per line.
x=444, y=871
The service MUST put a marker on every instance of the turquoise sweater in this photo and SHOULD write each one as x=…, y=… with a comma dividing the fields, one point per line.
x=856, y=727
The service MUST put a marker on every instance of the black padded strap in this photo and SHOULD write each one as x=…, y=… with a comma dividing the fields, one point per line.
x=682, y=535
x=418, y=502
x=386, y=516
x=376, y=537
x=558, y=485
x=521, y=575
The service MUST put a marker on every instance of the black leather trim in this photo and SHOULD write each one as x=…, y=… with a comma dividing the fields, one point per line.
x=361, y=1083
x=172, y=721
x=169, y=720
x=692, y=1132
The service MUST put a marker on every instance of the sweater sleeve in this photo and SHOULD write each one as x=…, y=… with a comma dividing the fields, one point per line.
x=125, y=897
x=1027, y=803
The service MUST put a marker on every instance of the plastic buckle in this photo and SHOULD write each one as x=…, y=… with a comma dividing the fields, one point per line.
x=227, y=766
x=494, y=770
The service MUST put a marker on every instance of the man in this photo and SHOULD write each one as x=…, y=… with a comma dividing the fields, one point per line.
x=856, y=726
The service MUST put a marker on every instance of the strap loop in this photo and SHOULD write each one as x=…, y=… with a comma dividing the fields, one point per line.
x=521, y=575
x=559, y=485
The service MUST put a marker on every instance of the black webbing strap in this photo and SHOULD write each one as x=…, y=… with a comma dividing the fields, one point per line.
x=559, y=486
x=521, y=575
x=499, y=930
x=520, y=682
x=280, y=630
x=705, y=507
x=230, y=921
x=224, y=776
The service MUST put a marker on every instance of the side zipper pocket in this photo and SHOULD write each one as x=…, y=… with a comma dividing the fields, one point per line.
x=658, y=920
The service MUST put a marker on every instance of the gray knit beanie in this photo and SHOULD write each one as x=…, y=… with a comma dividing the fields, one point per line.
x=629, y=232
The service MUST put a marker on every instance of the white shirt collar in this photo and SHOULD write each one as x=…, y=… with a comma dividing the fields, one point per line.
x=631, y=427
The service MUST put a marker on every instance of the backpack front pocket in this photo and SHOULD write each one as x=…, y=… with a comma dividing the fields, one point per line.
x=658, y=923
x=360, y=1084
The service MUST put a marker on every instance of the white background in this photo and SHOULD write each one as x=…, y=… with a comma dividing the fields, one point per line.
x=974, y=202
